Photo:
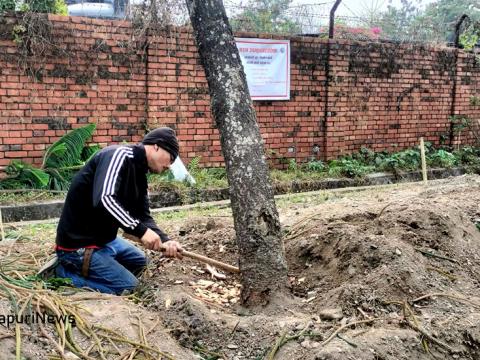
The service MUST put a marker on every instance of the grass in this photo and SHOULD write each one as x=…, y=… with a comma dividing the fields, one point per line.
x=356, y=165
x=26, y=196
x=310, y=200
x=189, y=213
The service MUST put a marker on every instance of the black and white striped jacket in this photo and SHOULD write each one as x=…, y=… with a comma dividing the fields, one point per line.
x=109, y=192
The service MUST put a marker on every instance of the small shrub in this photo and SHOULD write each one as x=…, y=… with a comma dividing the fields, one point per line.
x=315, y=166
x=442, y=158
x=468, y=155
x=348, y=167
x=404, y=160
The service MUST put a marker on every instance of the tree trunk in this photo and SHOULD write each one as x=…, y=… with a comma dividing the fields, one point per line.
x=257, y=226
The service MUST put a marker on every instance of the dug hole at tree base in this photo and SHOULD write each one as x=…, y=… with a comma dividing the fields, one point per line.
x=384, y=273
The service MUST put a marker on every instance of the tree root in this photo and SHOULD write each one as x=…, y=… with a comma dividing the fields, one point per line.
x=452, y=296
x=283, y=339
x=412, y=321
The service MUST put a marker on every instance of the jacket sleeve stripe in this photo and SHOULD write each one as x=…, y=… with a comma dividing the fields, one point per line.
x=111, y=179
x=115, y=209
x=116, y=163
x=109, y=185
x=117, y=158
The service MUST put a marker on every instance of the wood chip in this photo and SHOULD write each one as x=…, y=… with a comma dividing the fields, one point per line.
x=215, y=273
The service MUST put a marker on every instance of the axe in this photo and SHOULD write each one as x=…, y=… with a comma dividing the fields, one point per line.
x=198, y=257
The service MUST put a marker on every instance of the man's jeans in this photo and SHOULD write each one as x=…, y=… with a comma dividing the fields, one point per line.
x=112, y=267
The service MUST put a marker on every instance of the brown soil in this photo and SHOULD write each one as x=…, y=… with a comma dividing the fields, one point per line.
x=354, y=256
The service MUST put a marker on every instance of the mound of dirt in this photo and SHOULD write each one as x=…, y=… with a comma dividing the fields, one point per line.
x=371, y=255
x=405, y=251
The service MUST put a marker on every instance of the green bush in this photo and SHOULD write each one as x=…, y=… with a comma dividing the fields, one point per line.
x=315, y=166
x=404, y=160
x=442, y=158
x=7, y=5
x=60, y=162
x=348, y=167
x=468, y=155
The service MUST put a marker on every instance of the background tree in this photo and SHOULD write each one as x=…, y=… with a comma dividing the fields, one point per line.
x=257, y=226
x=158, y=13
x=269, y=16
x=442, y=16
x=40, y=6
x=398, y=23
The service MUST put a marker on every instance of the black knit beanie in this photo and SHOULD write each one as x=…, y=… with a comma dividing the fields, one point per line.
x=163, y=137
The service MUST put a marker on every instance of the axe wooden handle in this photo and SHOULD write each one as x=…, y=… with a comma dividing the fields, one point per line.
x=198, y=257
x=210, y=261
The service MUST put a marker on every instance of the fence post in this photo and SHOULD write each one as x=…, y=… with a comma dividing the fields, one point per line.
x=332, y=19
x=455, y=71
x=424, y=161
x=327, y=77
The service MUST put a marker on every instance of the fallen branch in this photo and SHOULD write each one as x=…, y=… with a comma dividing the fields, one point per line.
x=456, y=297
x=383, y=209
x=431, y=338
x=443, y=272
x=426, y=253
x=277, y=346
x=349, y=342
x=332, y=336
x=407, y=313
x=283, y=339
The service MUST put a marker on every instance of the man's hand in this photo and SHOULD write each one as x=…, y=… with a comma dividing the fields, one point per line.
x=173, y=249
x=151, y=240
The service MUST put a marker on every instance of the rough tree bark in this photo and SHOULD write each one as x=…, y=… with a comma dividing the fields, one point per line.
x=257, y=226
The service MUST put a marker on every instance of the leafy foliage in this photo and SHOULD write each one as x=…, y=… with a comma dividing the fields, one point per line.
x=397, y=23
x=24, y=175
x=7, y=5
x=348, y=167
x=60, y=162
x=39, y=6
x=367, y=161
x=442, y=158
x=67, y=151
x=435, y=23
x=403, y=160
x=206, y=177
x=468, y=155
x=268, y=16
x=315, y=165
x=444, y=14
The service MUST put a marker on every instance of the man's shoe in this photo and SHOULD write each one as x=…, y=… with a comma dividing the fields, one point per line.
x=48, y=269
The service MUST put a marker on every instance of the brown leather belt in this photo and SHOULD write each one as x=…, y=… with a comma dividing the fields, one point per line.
x=87, y=255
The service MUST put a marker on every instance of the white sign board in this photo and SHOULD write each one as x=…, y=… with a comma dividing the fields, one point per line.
x=267, y=67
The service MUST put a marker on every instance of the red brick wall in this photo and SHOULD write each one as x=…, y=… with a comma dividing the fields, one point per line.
x=87, y=78
x=178, y=97
x=386, y=96
x=468, y=90
x=382, y=96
